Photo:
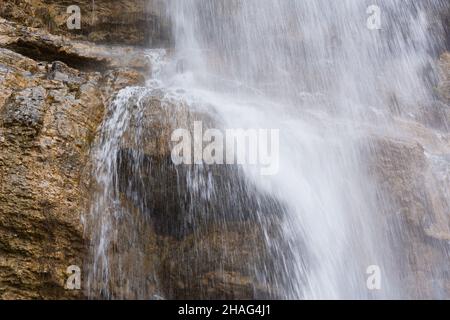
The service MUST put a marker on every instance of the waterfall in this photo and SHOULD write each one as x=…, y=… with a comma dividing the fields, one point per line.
x=325, y=77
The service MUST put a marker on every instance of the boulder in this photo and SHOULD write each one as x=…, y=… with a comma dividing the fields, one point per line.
x=412, y=184
x=178, y=239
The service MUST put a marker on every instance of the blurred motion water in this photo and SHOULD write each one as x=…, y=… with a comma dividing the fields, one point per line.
x=314, y=70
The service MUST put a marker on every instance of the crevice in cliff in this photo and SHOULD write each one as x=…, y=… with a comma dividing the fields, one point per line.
x=45, y=52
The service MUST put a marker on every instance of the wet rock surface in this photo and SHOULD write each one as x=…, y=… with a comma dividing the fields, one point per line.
x=54, y=93
x=49, y=114
x=444, y=84
x=190, y=242
x=39, y=45
x=412, y=181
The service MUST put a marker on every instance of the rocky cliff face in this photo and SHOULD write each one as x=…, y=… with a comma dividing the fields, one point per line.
x=188, y=245
x=55, y=88
x=444, y=83
x=133, y=22
x=49, y=114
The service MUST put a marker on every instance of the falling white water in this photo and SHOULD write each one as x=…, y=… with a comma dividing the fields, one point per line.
x=315, y=71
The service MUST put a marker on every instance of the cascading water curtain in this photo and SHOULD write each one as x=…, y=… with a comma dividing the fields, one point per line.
x=285, y=61
x=330, y=81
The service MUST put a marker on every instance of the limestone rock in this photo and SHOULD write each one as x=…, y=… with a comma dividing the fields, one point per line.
x=185, y=243
x=411, y=173
x=49, y=115
x=412, y=183
x=26, y=109
x=130, y=22
x=53, y=95
x=444, y=84
x=40, y=45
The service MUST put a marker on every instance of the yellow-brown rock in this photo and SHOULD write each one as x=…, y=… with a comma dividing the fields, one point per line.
x=49, y=115
x=133, y=22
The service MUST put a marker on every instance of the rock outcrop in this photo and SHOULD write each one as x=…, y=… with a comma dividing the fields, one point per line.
x=50, y=112
x=55, y=89
x=40, y=45
x=444, y=83
x=411, y=173
x=49, y=115
x=131, y=22
x=176, y=239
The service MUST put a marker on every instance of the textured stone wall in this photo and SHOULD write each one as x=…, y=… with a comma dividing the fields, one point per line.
x=134, y=22
x=49, y=115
